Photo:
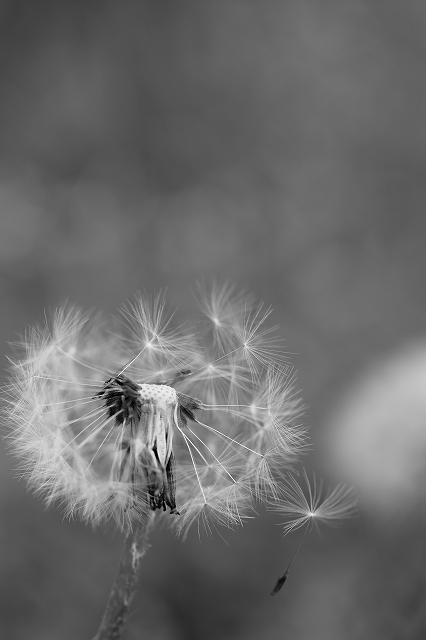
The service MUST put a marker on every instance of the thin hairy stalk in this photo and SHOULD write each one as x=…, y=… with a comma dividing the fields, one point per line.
x=78, y=402
x=193, y=464
x=240, y=444
x=211, y=453
x=74, y=359
x=81, y=384
x=125, y=583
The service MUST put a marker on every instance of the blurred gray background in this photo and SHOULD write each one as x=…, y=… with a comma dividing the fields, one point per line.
x=276, y=144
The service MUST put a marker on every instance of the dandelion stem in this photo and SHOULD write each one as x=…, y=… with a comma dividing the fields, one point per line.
x=125, y=583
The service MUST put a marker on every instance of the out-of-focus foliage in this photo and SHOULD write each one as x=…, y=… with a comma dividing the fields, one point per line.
x=277, y=144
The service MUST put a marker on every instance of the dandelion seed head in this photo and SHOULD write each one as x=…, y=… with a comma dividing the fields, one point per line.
x=117, y=420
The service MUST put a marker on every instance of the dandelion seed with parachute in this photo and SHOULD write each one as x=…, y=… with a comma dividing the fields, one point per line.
x=309, y=506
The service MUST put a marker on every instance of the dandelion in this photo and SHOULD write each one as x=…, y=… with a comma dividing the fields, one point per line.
x=137, y=418
x=151, y=419
x=309, y=506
